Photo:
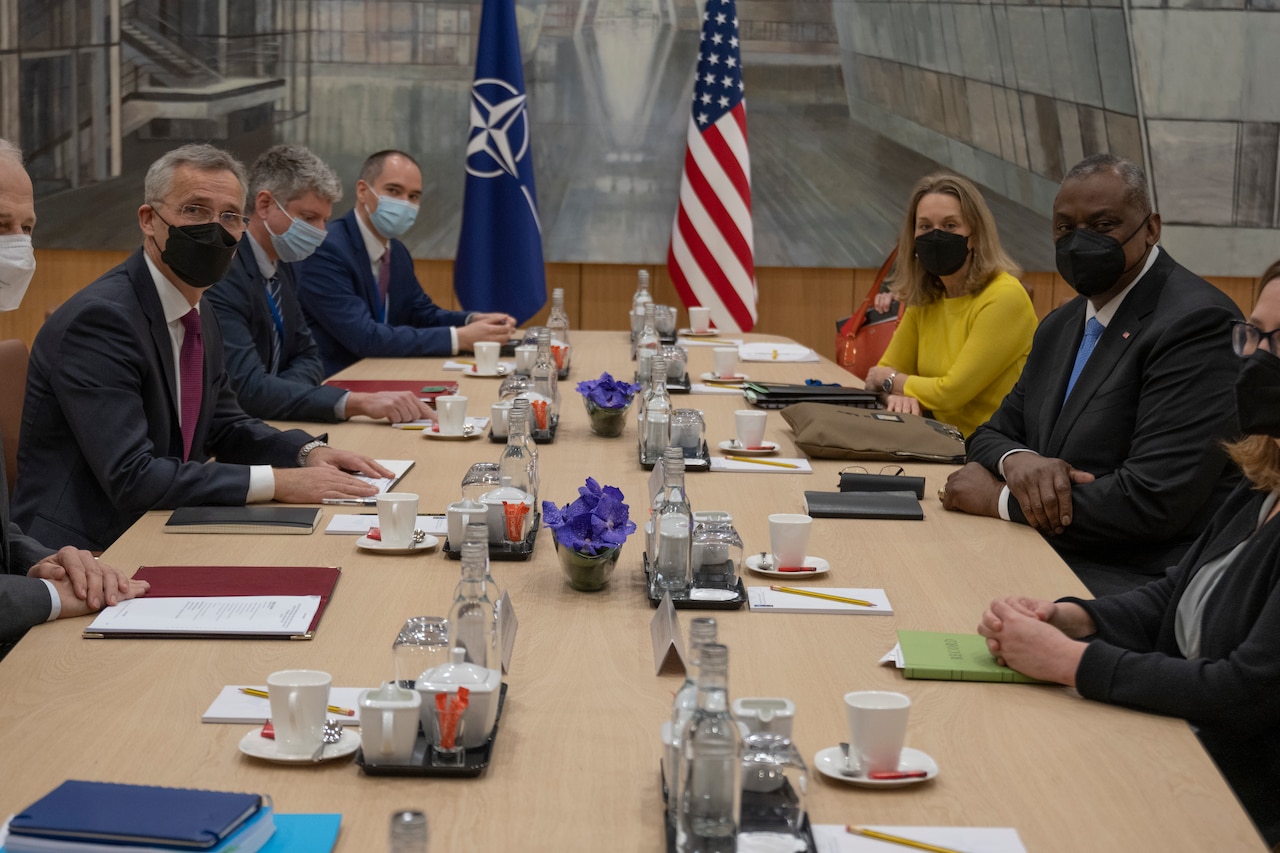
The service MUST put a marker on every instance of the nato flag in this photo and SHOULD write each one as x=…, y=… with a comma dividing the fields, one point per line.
x=499, y=263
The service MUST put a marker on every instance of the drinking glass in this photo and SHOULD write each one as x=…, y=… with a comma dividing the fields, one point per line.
x=423, y=643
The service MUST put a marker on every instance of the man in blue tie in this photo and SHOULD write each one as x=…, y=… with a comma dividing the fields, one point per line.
x=272, y=359
x=1109, y=444
x=359, y=289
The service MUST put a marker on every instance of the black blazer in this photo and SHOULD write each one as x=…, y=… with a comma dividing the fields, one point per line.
x=24, y=601
x=294, y=392
x=340, y=297
x=100, y=441
x=1146, y=418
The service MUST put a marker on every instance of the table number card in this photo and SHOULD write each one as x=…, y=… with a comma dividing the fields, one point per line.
x=508, y=624
x=668, y=639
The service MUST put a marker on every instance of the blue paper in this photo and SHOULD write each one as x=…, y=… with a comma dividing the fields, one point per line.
x=303, y=833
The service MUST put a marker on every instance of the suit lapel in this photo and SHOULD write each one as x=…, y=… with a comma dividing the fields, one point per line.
x=1060, y=371
x=364, y=264
x=144, y=288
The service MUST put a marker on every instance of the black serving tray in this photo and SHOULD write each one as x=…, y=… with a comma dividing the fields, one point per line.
x=682, y=385
x=523, y=551
x=546, y=439
x=700, y=461
x=474, y=763
x=756, y=815
x=734, y=603
x=546, y=436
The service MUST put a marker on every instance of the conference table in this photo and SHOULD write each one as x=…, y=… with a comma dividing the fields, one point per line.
x=575, y=764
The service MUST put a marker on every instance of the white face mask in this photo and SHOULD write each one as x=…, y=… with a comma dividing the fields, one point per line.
x=17, y=265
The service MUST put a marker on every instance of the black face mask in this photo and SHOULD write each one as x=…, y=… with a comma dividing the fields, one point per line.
x=1258, y=394
x=1092, y=263
x=200, y=255
x=941, y=252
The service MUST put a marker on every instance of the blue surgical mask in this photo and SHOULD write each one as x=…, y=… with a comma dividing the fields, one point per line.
x=393, y=216
x=298, y=241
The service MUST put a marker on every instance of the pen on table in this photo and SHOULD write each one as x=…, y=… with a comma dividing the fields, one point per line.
x=332, y=709
x=350, y=501
x=828, y=596
x=894, y=839
x=762, y=462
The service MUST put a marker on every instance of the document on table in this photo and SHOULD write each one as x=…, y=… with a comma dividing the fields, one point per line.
x=398, y=466
x=831, y=838
x=771, y=465
x=248, y=615
x=686, y=341
x=775, y=601
x=478, y=424
x=776, y=352
x=232, y=706
x=701, y=388
x=351, y=523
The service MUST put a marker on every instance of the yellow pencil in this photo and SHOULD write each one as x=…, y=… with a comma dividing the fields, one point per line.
x=761, y=461
x=894, y=839
x=333, y=709
x=826, y=595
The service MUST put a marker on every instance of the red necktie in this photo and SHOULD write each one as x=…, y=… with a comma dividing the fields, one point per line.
x=191, y=377
x=384, y=280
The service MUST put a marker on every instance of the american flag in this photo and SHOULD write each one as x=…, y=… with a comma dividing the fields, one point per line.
x=710, y=257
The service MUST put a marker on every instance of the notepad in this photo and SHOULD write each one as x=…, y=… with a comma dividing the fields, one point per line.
x=947, y=656
x=832, y=838
x=776, y=352
x=304, y=833
x=772, y=601
x=763, y=466
x=80, y=811
x=348, y=523
x=243, y=519
x=232, y=706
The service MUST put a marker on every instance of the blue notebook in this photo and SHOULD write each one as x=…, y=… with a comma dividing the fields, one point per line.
x=136, y=814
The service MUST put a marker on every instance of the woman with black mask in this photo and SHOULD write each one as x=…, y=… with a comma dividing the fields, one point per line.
x=1203, y=642
x=968, y=324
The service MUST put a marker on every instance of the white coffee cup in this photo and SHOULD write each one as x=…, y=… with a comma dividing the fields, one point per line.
x=397, y=515
x=749, y=424
x=789, y=537
x=877, y=728
x=389, y=723
x=498, y=414
x=699, y=318
x=299, y=699
x=525, y=355
x=486, y=353
x=726, y=362
x=451, y=412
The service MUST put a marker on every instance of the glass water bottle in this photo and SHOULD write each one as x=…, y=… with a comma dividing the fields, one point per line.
x=558, y=325
x=673, y=523
x=702, y=631
x=711, y=792
x=654, y=427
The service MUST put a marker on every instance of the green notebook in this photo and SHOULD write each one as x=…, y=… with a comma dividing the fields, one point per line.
x=953, y=657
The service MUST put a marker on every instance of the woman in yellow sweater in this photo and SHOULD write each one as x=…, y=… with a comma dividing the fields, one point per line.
x=968, y=325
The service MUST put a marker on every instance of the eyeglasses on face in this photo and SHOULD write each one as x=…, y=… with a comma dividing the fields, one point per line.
x=198, y=214
x=1246, y=337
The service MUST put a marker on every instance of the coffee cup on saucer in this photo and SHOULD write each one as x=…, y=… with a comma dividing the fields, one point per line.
x=486, y=353
x=451, y=413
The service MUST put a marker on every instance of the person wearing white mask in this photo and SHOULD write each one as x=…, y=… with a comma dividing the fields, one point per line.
x=359, y=290
x=272, y=358
x=38, y=584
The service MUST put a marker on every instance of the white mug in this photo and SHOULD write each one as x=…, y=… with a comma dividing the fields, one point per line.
x=877, y=728
x=789, y=537
x=389, y=723
x=486, y=353
x=699, y=318
x=498, y=413
x=750, y=426
x=726, y=362
x=299, y=699
x=397, y=515
x=525, y=354
x=451, y=412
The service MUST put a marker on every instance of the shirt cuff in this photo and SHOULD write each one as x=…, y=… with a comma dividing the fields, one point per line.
x=340, y=407
x=1000, y=464
x=55, y=601
x=1004, y=503
x=262, y=484
x=453, y=336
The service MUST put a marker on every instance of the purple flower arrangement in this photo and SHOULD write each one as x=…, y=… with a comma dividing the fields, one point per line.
x=596, y=522
x=607, y=392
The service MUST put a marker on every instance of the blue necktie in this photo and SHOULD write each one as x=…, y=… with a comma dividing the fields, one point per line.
x=277, y=323
x=1092, y=331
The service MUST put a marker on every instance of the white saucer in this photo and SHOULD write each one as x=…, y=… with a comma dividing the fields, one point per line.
x=819, y=565
x=830, y=761
x=366, y=544
x=690, y=333
x=715, y=377
x=255, y=745
x=500, y=370
x=452, y=436
x=730, y=445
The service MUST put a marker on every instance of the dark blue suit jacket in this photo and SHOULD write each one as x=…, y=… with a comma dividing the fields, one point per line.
x=340, y=297
x=100, y=442
x=294, y=392
x=1146, y=418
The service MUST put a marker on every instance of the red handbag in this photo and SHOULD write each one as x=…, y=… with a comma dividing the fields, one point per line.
x=864, y=337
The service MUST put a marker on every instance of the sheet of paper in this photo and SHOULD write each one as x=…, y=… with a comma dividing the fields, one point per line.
x=286, y=615
x=785, y=465
x=772, y=601
x=708, y=342
x=350, y=523
x=831, y=838
x=700, y=388
x=452, y=364
x=399, y=466
x=232, y=706
x=894, y=656
x=776, y=352
x=479, y=424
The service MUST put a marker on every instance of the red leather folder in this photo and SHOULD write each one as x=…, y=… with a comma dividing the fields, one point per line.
x=373, y=386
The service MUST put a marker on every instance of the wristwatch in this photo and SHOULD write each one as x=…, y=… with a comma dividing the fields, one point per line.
x=887, y=385
x=306, y=449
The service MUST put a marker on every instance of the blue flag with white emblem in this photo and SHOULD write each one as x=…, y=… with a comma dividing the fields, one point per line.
x=499, y=263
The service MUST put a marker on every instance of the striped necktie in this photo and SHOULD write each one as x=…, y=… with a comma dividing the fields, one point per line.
x=191, y=377
x=1092, y=331
x=277, y=323
x=384, y=282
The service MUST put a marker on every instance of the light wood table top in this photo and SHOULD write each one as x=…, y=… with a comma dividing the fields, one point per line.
x=575, y=764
